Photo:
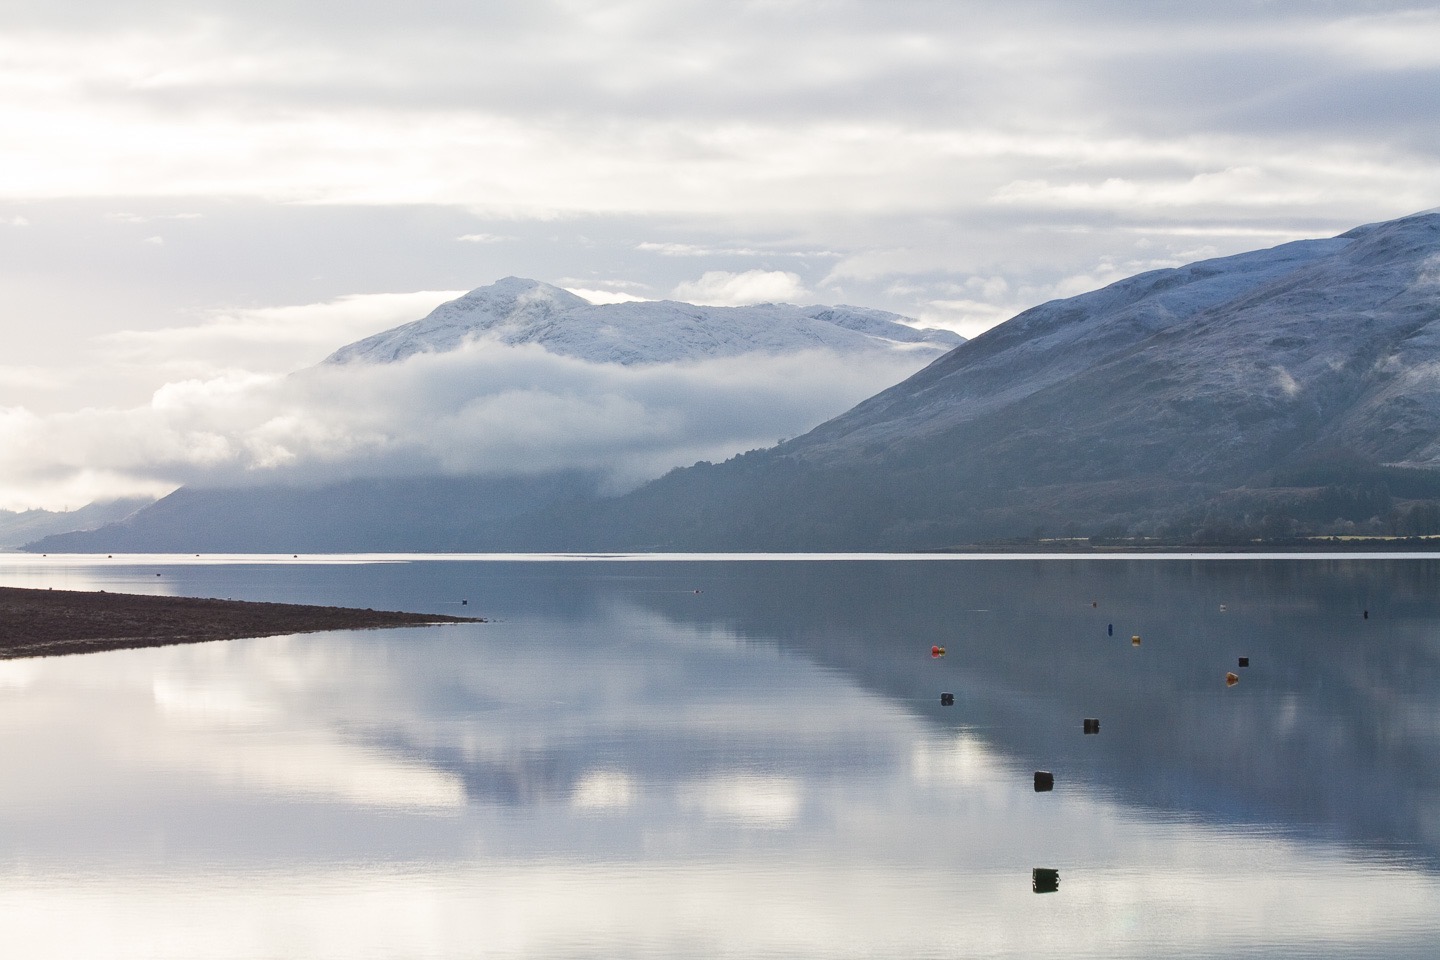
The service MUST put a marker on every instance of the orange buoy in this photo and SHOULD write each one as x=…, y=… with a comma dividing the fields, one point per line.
x=1231, y=679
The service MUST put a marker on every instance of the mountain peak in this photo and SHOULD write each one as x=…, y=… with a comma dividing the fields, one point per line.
x=515, y=311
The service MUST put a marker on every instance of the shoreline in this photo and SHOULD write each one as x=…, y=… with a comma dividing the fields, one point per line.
x=51, y=623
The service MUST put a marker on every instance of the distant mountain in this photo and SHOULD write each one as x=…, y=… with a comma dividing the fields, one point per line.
x=515, y=311
x=1276, y=393
x=401, y=514
x=1282, y=391
x=17, y=528
x=498, y=512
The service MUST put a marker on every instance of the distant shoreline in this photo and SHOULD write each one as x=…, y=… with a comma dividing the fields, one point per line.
x=1307, y=545
x=48, y=623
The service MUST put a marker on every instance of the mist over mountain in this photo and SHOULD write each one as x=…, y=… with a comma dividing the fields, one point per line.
x=442, y=433
x=1278, y=393
x=18, y=527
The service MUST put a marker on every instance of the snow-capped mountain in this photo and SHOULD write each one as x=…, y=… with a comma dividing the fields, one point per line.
x=461, y=452
x=1270, y=394
x=516, y=311
x=1283, y=390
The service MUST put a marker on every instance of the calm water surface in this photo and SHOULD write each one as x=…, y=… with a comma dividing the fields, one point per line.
x=738, y=759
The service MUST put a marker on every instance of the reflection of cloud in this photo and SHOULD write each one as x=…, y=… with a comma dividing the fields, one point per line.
x=603, y=790
x=315, y=766
x=764, y=801
x=897, y=836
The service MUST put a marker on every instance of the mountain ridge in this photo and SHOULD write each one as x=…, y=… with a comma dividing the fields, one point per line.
x=515, y=311
x=1270, y=394
x=1113, y=413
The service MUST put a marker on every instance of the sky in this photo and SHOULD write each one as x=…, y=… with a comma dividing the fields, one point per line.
x=215, y=192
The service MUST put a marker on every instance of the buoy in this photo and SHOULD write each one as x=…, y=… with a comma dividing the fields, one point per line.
x=1044, y=780
x=1044, y=880
x=1244, y=661
x=1094, y=604
x=464, y=603
x=157, y=574
x=1110, y=630
x=1231, y=679
x=1366, y=615
x=937, y=651
x=947, y=699
x=1092, y=725
x=1135, y=640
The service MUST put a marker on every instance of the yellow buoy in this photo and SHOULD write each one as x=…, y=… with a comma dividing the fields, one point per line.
x=1135, y=640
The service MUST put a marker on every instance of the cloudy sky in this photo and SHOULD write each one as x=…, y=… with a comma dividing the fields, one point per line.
x=212, y=191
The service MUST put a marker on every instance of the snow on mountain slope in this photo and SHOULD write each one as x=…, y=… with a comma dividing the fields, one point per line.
x=1335, y=339
x=515, y=311
x=1048, y=343
x=1279, y=390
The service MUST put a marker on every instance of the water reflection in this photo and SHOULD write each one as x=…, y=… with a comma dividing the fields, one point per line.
x=622, y=766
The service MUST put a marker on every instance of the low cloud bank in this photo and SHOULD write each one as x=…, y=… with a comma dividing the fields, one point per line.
x=484, y=409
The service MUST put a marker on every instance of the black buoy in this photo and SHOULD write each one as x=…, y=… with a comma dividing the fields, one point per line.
x=947, y=699
x=1110, y=630
x=1366, y=615
x=1092, y=725
x=1244, y=661
x=1044, y=880
x=1044, y=780
x=464, y=603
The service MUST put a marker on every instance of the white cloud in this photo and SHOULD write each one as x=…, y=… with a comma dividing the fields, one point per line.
x=155, y=241
x=269, y=339
x=969, y=318
x=605, y=296
x=483, y=409
x=723, y=289
x=141, y=218
x=483, y=238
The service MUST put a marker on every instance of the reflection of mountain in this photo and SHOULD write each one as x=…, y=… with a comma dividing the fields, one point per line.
x=1330, y=730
